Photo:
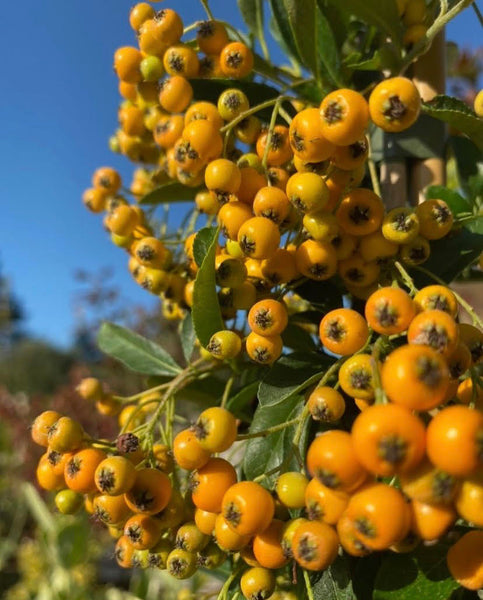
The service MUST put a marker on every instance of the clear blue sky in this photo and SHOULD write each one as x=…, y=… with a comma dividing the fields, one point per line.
x=58, y=108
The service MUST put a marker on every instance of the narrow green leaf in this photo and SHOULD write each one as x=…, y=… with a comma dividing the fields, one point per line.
x=306, y=36
x=39, y=510
x=170, y=192
x=136, y=352
x=328, y=50
x=334, y=583
x=206, y=312
x=383, y=15
x=252, y=13
x=290, y=375
x=302, y=20
x=455, y=201
x=202, y=243
x=187, y=336
x=282, y=31
x=241, y=401
x=266, y=453
x=422, y=575
x=457, y=114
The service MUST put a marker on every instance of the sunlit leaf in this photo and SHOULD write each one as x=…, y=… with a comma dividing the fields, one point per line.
x=135, y=351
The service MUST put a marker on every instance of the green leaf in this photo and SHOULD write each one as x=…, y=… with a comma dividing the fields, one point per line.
x=450, y=256
x=364, y=574
x=469, y=165
x=72, y=541
x=281, y=30
x=455, y=201
x=290, y=375
x=383, y=58
x=476, y=225
x=170, y=192
x=202, y=243
x=252, y=13
x=297, y=338
x=187, y=336
x=136, y=352
x=266, y=453
x=335, y=582
x=241, y=401
x=39, y=510
x=383, y=15
x=328, y=50
x=206, y=312
x=301, y=18
x=310, y=91
x=422, y=574
x=457, y=114
x=323, y=295
x=201, y=393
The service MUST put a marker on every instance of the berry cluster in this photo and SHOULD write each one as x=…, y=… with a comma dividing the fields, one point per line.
x=287, y=190
x=409, y=467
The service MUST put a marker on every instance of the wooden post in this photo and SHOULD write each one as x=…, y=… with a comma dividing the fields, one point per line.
x=429, y=76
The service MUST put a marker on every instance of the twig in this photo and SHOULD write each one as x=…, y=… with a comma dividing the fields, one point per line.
x=478, y=13
x=226, y=392
x=440, y=22
x=308, y=585
x=207, y=9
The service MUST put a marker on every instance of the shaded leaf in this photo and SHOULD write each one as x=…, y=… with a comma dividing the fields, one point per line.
x=311, y=91
x=290, y=375
x=72, y=543
x=335, y=582
x=323, y=295
x=328, y=50
x=297, y=338
x=135, y=351
x=455, y=201
x=364, y=574
x=206, y=312
x=170, y=192
x=383, y=58
x=241, y=401
x=469, y=162
x=422, y=574
x=252, y=13
x=457, y=114
x=281, y=30
x=301, y=18
x=210, y=89
x=450, y=256
x=383, y=15
x=202, y=391
x=187, y=336
x=266, y=453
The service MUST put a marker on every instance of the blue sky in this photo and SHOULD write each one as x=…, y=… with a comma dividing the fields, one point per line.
x=58, y=108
